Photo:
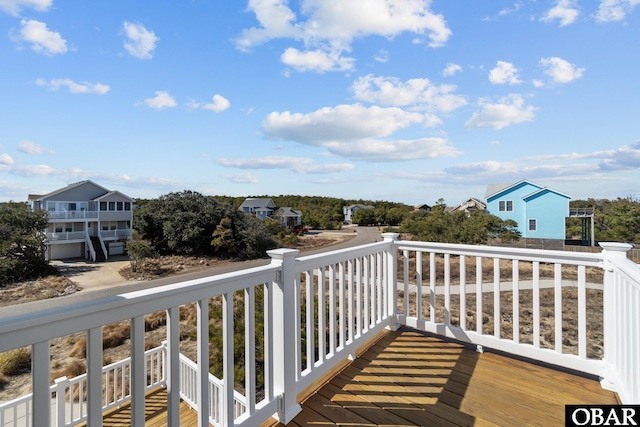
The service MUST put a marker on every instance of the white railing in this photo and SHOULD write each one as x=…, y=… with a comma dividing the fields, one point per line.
x=70, y=407
x=109, y=234
x=319, y=310
x=622, y=323
x=92, y=251
x=72, y=214
x=188, y=392
x=65, y=235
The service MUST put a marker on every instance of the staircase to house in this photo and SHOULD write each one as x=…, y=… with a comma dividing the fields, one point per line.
x=100, y=255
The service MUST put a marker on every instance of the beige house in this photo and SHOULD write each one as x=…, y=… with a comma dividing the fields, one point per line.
x=85, y=220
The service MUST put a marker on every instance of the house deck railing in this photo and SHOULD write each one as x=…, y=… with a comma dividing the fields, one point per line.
x=72, y=214
x=116, y=234
x=302, y=317
x=65, y=235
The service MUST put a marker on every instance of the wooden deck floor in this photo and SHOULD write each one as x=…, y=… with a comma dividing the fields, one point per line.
x=413, y=379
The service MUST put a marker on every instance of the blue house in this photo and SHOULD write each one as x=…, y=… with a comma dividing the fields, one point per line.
x=539, y=211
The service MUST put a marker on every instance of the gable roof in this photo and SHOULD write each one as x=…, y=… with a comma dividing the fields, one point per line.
x=111, y=193
x=542, y=190
x=287, y=211
x=494, y=189
x=261, y=203
x=67, y=188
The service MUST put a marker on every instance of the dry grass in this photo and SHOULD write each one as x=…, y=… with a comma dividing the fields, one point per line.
x=15, y=361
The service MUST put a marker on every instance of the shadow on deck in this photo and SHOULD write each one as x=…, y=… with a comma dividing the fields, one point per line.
x=410, y=378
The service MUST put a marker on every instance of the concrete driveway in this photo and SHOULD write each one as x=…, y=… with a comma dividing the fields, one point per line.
x=93, y=275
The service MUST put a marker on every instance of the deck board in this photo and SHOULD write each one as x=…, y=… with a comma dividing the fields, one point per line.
x=409, y=378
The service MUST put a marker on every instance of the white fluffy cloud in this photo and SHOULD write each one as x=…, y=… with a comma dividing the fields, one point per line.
x=6, y=159
x=329, y=27
x=295, y=164
x=140, y=42
x=13, y=7
x=414, y=92
x=451, y=69
x=41, y=38
x=241, y=178
x=615, y=10
x=504, y=73
x=220, y=103
x=29, y=147
x=55, y=84
x=160, y=101
x=316, y=60
x=508, y=111
x=355, y=132
x=560, y=70
x=566, y=11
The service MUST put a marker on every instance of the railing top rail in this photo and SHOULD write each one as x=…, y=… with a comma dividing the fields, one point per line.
x=520, y=254
x=48, y=324
x=312, y=261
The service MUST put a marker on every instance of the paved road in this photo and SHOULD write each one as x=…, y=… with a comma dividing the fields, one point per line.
x=103, y=280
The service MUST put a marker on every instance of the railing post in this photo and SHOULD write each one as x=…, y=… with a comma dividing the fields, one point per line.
x=392, y=279
x=61, y=386
x=610, y=250
x=284, y=333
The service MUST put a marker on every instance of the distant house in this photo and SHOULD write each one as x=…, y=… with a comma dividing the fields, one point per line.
x=539, y=211
x=85, y=220
x=261, y=207
x=287, y=217
x=348, y=211
x=422, y=208
x=470, y=205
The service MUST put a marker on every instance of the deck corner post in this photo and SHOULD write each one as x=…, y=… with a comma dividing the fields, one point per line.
x=284, y=334
x=391, y=280
x=40, y=371
x=610, y=252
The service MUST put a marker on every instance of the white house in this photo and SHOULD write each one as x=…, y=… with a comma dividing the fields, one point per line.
x=287, y=217
x=85, y=220
x=261, y=207
x=348, y=211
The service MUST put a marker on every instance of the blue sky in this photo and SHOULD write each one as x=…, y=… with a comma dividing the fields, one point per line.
x=401, y=100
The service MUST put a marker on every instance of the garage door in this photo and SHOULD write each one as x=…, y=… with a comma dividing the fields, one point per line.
x=116, y=248
x=72, y=250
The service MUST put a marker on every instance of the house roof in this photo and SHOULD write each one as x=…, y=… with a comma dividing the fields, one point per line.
x=111, y=193
x=68, y=187
x=258, y=202
x=359, y=206
x=542, y=190
x=288, y=211
x=494, y=190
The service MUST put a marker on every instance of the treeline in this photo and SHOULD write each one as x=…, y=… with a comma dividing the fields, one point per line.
x=614, y=220
x=473, y=228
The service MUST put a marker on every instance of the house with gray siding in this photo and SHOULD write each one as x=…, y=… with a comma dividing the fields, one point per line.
x=539, y=211
x=85, y=220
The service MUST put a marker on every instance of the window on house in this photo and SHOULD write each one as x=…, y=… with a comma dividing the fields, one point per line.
x=72, y=206
x=127, y=206
x=68, y=228
x=103, y=206
x=120, y=206
x=58, y=228
x=51, y=206
x=505, y=205
x=533, y=225
x=112, y=206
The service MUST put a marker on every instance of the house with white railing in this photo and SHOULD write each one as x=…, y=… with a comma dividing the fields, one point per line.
x=85, y=220
x=318, y=312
